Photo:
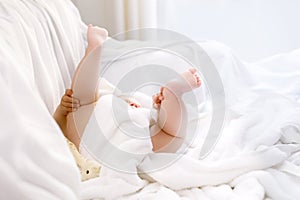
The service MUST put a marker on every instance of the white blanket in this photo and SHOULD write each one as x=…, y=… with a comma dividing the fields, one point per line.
x=41, y=42
x=256, y=157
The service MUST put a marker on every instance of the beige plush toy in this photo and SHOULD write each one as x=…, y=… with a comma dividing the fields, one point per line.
x=88, y=168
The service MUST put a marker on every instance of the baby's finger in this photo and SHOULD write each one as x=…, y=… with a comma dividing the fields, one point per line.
x=70, y=105
x=155, y=98
x=69, y=92
x=66, y=104
x=65, y=109
x=161, y=97
x=161, y=90
x=67, y=99
x=76, y=101
x=70, y=100
x=69, y=109
x=76, y=105
x=135, y=104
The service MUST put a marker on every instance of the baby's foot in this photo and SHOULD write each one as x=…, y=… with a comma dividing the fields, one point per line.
x=95, y=37
x=190, y=80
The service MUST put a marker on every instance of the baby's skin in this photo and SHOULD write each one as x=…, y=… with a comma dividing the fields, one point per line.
x=169, y=132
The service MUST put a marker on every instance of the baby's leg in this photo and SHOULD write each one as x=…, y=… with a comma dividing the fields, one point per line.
x=86, y=77
x=85, y=84
x=168, y=135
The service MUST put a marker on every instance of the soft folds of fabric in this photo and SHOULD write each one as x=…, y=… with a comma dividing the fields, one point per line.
x=41, y=43
x=256, y=156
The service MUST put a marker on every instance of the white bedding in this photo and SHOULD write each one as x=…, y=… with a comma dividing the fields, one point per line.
x=257, y=156
x=40, y=44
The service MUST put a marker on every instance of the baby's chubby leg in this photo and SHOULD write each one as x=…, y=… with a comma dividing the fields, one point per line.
x=169, y=133
x=85, y=84
x=86, y=77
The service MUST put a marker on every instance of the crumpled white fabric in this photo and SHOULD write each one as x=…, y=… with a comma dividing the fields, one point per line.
x=40, y=44
x=256, y=157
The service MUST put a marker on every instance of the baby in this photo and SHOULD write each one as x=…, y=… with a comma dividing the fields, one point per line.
x=77, y=104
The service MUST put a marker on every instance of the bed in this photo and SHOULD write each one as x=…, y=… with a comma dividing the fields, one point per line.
x=256, y=157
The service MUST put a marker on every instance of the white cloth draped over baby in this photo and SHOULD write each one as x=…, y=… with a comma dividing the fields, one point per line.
x=259, y=146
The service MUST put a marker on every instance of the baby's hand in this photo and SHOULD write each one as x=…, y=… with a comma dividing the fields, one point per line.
x=132, y=102
x=68, y=103
x=158, y=98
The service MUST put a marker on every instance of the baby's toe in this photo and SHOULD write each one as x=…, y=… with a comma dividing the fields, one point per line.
x=198, y=82
x=192, y=70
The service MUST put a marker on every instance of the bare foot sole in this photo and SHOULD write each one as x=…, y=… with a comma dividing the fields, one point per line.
x=190, y=80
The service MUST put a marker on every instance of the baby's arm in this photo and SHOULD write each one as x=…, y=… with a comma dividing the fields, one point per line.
x=67, y=104
x=88, y=168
